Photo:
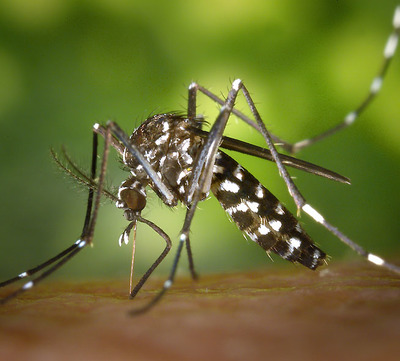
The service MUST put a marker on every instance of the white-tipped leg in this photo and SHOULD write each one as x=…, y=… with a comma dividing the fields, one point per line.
x=236, y=84
x=391, y=46
x=361, y=251
x=313, y=213
x=376, y=85
x=167, y=284
x=375, y=259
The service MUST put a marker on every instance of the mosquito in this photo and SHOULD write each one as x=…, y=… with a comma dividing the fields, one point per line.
x=171, y=154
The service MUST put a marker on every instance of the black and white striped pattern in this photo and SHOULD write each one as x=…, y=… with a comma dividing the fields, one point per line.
x=253, y=208
x=170, y=148
x=258, y=213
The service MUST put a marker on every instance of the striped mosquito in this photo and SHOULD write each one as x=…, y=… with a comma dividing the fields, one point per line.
x=180, y=162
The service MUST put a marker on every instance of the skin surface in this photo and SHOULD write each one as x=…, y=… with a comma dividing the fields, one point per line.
x=342, y=312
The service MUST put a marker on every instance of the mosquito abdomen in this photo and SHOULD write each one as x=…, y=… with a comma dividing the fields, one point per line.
x=259, y=214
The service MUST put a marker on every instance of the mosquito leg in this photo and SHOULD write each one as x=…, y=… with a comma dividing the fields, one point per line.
x=80, y=244
x=346, y=240
x=158, y=260
x=64, y=256
x=90, y=221
x=293, y=190
x=167, y=284
x=192, y=101
x=376, y=85
x=89, y=207
x=206, y=158
x=191, y=113
x=43, y=265
x=192, y=270
x=194, y=87
x=203, y=168
x=388, y=53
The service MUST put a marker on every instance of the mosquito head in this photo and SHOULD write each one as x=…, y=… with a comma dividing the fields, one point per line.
x=133, y=199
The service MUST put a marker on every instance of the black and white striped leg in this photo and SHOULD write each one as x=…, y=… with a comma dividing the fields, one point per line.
x=346, y=240
x=63, y=257
x=349, y=119
x=376, y=85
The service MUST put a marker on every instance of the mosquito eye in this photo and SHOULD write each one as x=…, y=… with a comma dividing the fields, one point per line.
x=133, y=199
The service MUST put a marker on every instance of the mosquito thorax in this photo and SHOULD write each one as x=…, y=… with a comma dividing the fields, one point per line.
x=166, y=142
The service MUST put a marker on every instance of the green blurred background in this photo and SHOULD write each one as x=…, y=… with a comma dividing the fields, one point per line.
x=65, y=65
